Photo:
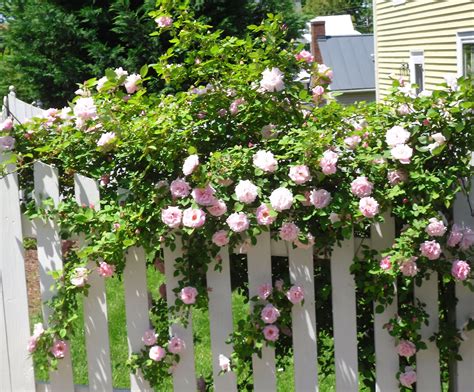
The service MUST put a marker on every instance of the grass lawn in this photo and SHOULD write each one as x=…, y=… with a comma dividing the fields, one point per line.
x=118, y=341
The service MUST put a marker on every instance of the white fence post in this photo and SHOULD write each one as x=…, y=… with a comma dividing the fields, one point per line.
x=95, y=304
x=220, y=314
x=49, y=256
x=344, y=315
x=136, y=308
x=465, y=305
x=16, y=368
x=386, y=359
x=184, y=376
x=304, y=321
x=259, y=261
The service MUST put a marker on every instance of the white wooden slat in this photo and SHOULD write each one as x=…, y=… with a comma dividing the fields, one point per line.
x=260, y=271
x=5, y=380
x=465, y=305
x=184, y=375
x=46, y=387
x=46, y=185
x=344, y=317
x=95, y=304
x=220, y=314
x=28, y=227
x=427, y=361
x=20, y=110
x=14, y=305
x=386, y=359
x=136, y=309
x=304, y=321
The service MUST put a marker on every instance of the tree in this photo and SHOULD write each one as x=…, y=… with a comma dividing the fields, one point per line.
x=49, y=46
x=360, y=10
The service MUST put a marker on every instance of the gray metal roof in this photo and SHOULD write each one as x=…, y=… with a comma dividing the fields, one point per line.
x=351, y=58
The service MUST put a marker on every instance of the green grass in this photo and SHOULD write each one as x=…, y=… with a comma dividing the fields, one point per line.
x=118, y=340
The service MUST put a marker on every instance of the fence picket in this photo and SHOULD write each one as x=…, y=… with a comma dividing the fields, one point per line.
x=465, y=306
x=427, y=361
x=344, y=317
x=220, y=314
x=5, y=366
x=136, y=309
x=184, y=378
x=260, y=271
x=46, y=184
x=95, y=304
x=386, y=359
x=304, y=321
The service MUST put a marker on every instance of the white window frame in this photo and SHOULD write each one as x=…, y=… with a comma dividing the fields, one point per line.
x=416, y=57
x=462, y=37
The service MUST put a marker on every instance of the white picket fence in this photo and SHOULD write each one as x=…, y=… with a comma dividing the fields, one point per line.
x=16, y=368
x=17, y=109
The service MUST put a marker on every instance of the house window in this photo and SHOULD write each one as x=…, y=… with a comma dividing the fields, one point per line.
x=465, y=53
x=417, y=60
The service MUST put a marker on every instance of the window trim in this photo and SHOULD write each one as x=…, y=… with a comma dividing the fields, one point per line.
x=462, y=37
x=416, y=57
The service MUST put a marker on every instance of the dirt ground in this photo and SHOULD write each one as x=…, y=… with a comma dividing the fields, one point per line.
x=32, y=281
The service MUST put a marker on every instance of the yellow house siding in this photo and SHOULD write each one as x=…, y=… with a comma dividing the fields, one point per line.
x=419, y=25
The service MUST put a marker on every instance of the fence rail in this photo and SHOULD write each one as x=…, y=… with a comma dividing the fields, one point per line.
x=16, y=370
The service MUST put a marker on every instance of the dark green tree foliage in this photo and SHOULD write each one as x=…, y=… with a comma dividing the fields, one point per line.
x=49, y=46
x=360, y=10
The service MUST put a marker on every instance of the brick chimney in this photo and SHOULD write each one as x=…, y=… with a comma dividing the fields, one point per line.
x=318, y=30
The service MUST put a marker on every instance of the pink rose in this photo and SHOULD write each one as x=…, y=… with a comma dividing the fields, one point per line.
x=325, y=71
x=328, y=163
x=352, y=142
x=194, y=217
x=318, y=91
x=320, y=198
x=385, y=263
x=157, y=353
x=272, y=80
x=406, y=348
x=32, y=343
x=105, y=270
x=149, y=337
x=179, y=188
x=132, y=82
x=281, y=199
x=265, y=160
x=289, y=232
x=204, y=196
x=164, y=21
x=6, y=125
x=220, y=238
x=369, y=207
x=234, y=106
x=301, y=245
x=224, y=363
x=455, y=236
x=402, y=153
x=409, y=267
x=269, y=314
x=460, y=269
x=300, y=174
x=333, y=217
x=246, y=191
x=295, y=294
x=264, y=291
x=38, y=330
x=435, y=228
x=361, y=187
x=219, y=208
x=188, y=295
x=403, y=109
x=408, y=378
x=263, y=215
x=190, y=164
x=7, y=143
x=431, y=250
x=467, y=239
x=396, y=177
x=172, y=216
x=238, y=222
x=176, y=345
x=79, y=277
x=59, y=349
x=85, y=108
x=304, y=55
x=271, y=333
x=397, y=135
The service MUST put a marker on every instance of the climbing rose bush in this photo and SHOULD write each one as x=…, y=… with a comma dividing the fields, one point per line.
x=234, y=146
